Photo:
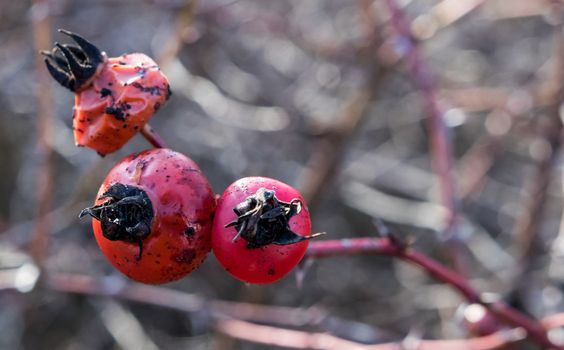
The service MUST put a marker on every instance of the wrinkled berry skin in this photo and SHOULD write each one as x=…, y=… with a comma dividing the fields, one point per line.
x=122, y=98
x=265, y=264
x=183, y=204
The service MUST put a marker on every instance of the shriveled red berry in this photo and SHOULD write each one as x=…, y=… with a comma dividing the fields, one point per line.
x=153, y=216
x=261, y=229
x=114, y=97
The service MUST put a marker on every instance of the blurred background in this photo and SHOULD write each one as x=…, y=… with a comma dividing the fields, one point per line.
x=443, y=120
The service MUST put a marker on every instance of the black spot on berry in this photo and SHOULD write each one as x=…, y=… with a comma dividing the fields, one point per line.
x=183, y=181
x=189, y=232
x=116, y=112
x=153, y=90
x=105, y=92
x=186, y=257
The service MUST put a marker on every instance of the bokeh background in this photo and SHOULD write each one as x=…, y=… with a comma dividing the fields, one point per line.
x=323, y=95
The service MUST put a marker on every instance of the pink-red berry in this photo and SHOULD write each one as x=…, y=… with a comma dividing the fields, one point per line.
x=261, y=229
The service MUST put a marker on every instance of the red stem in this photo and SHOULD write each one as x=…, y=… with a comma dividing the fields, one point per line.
x=151, y=135
x=45, y=181
x=392, y=247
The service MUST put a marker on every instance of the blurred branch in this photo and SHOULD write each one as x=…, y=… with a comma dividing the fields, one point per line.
x=288, y=338
x=484, y=99
x=163, y=297
x=323, y=163
x=42, y=40
x=184, y=19
x=380, y=205
x=392, y=247
x=183, y=27
x=124, y=327
x=296, y=339
x=442, y=15
x=526, y=230
x=118, y=288
x=441, y=152
x=501, y=9
x=479, y=159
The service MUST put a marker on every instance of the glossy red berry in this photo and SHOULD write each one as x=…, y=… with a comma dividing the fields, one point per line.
x=153, y=216
x=114, y=97
x=261, y=229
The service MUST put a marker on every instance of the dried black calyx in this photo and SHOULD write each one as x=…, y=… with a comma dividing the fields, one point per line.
x=125, y=216
x=262, y=219
x=74, y=66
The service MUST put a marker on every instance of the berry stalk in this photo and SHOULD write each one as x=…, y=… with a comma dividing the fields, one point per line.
x=153, y=137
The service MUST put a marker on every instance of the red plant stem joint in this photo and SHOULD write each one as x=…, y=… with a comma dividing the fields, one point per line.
x=153, y=137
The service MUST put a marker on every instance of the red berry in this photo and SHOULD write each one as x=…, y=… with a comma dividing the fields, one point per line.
x=153, y=216
x=261, y=229
x=114, y=97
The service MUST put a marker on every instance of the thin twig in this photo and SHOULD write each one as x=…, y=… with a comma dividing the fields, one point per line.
x=42, y=39
x=295, y=339
x=289, y=338
x=121, y=289
x=526, y=230
x=478, y=161
x=528, y=224
x=444, y=14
